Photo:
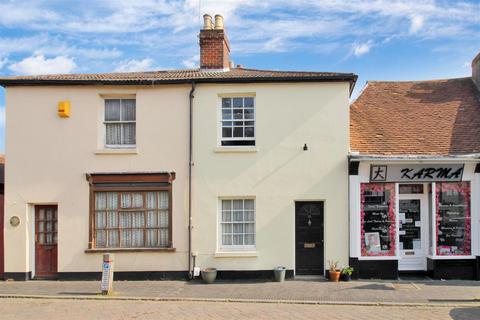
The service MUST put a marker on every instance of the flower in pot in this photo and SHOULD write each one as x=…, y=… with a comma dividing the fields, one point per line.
x=209, y=275
x=347, y=273
x=333, y=271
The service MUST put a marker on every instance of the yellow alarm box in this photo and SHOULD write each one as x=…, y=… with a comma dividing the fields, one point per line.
x=64, y=109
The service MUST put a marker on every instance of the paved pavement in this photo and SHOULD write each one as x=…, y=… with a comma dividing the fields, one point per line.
x=52, y=309
x=429, y=291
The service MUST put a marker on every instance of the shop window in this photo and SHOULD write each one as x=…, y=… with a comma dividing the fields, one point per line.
x=378, y=228
x=131, y=210
x=453, y=218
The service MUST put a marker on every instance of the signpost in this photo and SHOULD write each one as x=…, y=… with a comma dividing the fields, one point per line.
x=107, y=274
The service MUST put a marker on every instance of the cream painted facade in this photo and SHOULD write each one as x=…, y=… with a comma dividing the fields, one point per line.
x=276, y=173
x=48, y=158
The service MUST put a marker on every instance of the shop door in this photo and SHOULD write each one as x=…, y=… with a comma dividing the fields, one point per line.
x=412, y=232
x=309, y=238
x=45, y=241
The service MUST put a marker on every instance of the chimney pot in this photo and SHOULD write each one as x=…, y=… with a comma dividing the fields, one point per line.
x=218, y=22
x=207, y=22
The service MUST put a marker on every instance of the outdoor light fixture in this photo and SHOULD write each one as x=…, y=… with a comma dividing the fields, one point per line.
x=305, y=147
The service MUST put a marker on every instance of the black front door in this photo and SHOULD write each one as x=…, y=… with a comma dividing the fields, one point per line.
x=309, y=238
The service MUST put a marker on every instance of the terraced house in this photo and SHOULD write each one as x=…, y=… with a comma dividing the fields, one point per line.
x=415, y=178
x=222, y=166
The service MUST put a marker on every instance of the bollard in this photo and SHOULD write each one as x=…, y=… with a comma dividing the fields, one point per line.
x=107, y=274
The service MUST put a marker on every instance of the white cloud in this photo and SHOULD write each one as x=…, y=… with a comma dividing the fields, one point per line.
x=360, y=49
x=192, y=62
x=135, y=65
x=38, y=64
x=416, y=23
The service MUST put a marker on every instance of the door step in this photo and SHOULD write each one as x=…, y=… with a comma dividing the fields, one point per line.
x=310, y=278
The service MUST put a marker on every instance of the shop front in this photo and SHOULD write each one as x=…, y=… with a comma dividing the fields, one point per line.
x=414, y=216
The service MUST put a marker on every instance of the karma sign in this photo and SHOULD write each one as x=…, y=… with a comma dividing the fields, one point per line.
x=416, y=172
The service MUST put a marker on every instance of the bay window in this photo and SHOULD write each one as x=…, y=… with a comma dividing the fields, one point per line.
x=131, y=211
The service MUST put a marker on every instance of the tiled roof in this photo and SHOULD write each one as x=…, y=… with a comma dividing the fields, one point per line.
x=440, y=117
x=178, y=76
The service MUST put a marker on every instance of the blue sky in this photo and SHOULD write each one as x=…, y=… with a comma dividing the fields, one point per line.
x=378, y=40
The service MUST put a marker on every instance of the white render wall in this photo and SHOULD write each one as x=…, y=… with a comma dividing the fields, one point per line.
x=277, y=174
x=47, y=158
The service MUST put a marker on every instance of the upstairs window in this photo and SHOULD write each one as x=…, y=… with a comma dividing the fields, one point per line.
x=120, y=123
x=238, y=121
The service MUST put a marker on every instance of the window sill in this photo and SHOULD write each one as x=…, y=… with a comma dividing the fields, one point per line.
x=236, y=149
x=236, y=254
x=114, y=250
x=117, y=151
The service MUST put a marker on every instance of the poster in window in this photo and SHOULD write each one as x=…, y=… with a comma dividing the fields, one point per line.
x=372, y=242
x=453, y=218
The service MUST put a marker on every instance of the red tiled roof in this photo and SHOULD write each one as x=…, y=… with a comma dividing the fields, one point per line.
x=440, y=117
x=178, y=76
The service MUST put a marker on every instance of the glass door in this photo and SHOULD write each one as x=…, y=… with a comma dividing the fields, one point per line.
x=412, y=232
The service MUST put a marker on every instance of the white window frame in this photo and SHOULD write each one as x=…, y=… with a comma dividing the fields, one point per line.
x=220, y=122
x=230, y=248
x=105, y=122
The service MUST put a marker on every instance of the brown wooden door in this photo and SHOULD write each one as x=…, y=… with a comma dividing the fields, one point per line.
x=45, y=241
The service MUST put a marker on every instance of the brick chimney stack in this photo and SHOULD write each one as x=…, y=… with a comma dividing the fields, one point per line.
x=476, y=70
x=214, y=47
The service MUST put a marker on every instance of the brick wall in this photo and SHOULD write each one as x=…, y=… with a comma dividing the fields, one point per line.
x=214, y=49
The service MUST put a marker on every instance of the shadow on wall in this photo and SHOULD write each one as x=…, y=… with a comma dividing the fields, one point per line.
x=455, y=100
x=465, y=313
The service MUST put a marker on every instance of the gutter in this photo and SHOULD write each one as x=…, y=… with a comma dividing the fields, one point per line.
x=49, y=82
x=190, y=165
x=472, y=157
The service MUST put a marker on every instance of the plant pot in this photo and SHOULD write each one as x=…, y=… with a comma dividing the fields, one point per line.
x=279, y=274
x=346, y=277
x=209, y=275
x=334, y=276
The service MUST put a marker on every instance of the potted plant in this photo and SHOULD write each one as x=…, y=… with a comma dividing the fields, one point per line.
x=347, y=273
x=333, y=271
x=209, y=275
x=279, y=274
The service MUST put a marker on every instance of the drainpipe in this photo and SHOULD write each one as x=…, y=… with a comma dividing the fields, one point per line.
x=190, y=165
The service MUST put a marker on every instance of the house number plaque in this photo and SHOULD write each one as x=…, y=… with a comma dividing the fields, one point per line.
x=309, y=245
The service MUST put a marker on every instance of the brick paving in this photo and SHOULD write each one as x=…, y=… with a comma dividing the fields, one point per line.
x=299, y=290
x=38, y=309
